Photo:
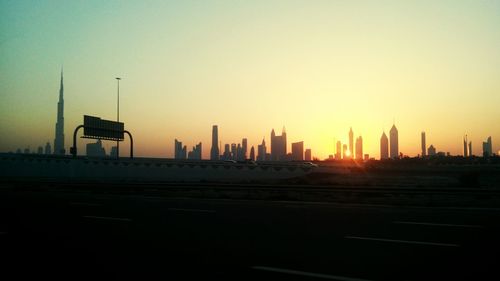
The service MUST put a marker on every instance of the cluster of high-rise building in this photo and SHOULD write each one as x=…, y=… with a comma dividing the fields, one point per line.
x=353, y=151
x=389, y=146
x=239, y=151
x=180, y=151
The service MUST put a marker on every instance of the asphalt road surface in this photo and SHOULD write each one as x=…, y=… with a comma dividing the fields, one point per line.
x=71, y=235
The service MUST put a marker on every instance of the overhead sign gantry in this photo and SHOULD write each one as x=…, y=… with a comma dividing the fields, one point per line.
x=97, y=128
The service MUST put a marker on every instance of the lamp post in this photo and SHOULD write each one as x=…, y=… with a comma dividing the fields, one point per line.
x=118, y=117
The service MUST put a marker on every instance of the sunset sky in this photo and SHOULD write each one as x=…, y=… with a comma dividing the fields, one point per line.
x=315, y=67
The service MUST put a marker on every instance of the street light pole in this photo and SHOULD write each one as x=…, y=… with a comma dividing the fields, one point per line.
x=118, y=117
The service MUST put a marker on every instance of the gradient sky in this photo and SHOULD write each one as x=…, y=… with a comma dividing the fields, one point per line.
x=315, y=67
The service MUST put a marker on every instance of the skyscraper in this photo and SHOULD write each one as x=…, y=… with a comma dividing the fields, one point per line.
x=466, y=151
x=338, y=155
x=179, y=150
x=252, y=153
x=351, y=143
x=195, y=154
x=432, y=150
x=262, y=151
x=59, y=139
x=384, y=147
x=423, y=144
x=214, y=151
x=48, y=148
x=95, y=149
x=344, y=152
x=308, y=155
x=393, y=138
x=487, y=148
x=470, y=149
x=244, y=147
x=298, y=151
x=359, y=148
x=278, y=146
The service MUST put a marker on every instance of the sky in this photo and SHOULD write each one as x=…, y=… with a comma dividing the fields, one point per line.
x=314, y=67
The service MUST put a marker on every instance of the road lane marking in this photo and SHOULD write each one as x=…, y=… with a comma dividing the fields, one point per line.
x=107, y=218
x=191, y=210
x=308, y=274
x=85, y=204
x=402, y=241
x=438, y=224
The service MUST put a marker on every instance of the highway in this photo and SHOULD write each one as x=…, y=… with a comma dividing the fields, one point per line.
x=61, y=234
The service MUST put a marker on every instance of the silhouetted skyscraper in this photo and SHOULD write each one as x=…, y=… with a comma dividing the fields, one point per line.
x=344, y=152
x=95, y=149
x=351, y=143
x=195, y=154
x=298, y=151
x=180, y=151
x=338, y=155
x=227, y=152
x=393, y=135
x=40, y=150
x=214, y=151
x=466, y=151
x=262, y=151
x=244, y=147
x=432, y=150
x=278, y=146
x=48, y=148
x=384, y=147
x=359, y=148
x=470, y=149
x=59, y=139
x=252, y=153
x=308, y=155
x=423, y=143
x=487, y=148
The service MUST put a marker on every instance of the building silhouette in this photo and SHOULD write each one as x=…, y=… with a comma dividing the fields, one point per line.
x=298, y=151
x=252, y=153
x=338, y=155
x=351, y=143
x=422, y=140
x=359, y=148
x=487, y=147
x=394, y=145
x=384, y=147
x=227, y=152
x=195, y=153
x=214, y=151
x=95, y=149
x=48, y=148
x=244, y=149
x=432, y=150
x=278, y=146
x=470, y=149
x=344, y=152
x=40, y=150
x=466, y=150
x=262, y=151
x=179, y=150
x=308, y=155
x=59, y=138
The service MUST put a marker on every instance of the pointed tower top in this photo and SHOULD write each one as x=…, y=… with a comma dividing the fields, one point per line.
x=284, y=130
x=61, y=87
x=273, y=133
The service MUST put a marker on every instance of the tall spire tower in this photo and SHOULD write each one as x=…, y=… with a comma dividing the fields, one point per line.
x=59, y=140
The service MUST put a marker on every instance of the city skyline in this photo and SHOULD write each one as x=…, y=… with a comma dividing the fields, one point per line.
x=263, y=65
